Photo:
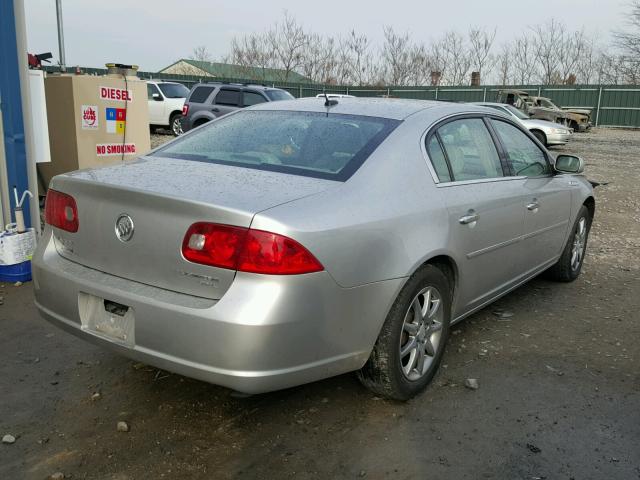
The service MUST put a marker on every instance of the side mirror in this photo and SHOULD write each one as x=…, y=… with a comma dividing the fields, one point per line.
x=156, y=97
x=569, y=164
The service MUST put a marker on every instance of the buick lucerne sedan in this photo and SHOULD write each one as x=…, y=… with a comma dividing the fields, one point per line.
x=297, y=240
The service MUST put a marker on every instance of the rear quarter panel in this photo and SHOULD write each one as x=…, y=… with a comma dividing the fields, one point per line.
x=382, y=223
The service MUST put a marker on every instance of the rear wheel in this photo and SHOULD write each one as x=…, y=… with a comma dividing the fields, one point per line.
x=542, y=138
x=175, y=124
x=568, y=267
x=411, y=343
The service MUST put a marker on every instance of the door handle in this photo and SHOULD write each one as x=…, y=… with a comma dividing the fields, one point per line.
x=533, y=206
x=215, y=109
x=470, y=217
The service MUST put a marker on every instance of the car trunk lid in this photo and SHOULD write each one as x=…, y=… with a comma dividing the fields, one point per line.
x=163, y=197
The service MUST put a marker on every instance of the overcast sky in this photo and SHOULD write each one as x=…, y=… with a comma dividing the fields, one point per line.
x=155, y=33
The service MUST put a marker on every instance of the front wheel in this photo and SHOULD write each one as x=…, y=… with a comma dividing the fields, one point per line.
x=568, y=267
x=411, y=343
x=542, y=138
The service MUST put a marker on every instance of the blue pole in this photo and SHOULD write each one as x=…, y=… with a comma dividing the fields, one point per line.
x=11, y=108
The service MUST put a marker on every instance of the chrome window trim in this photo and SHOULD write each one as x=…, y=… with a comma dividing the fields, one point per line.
x=427, y=159
x=443, y=120
x=423, y=142
x=479, y=180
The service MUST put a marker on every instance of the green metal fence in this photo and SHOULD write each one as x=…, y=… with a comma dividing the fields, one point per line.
x=612, y=105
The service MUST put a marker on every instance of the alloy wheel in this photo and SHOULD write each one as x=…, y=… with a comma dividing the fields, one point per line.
x=421, y=333
x=579, y=242
x=176, y=127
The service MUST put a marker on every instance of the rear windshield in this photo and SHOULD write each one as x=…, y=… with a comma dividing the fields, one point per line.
x=200, y=94
x=311, y=144
x=279, y=95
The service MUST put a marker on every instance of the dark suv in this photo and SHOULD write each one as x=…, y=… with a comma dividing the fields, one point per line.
x=207, y=101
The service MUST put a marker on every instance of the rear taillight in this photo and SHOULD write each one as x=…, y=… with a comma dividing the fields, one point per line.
x=60, y=211
x=185, y=109
x=247, y=250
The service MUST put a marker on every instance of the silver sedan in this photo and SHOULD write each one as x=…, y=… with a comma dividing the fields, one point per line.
x=297, y=240
x=547, y=133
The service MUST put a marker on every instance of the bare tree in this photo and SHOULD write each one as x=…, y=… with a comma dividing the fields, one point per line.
x=319, y=59
x=629, y=40
x=457, y=58
x=342, y=66
x=481, y=42
x=547, y=40
x=396, y=56
x=628, y=43
x=251, y=54
x=586, y=66
x=548, y=53
x=201, y=54
x=356, y=62
x=504, y=63
x=439, y=59
x=288, y=42
x=421, y=65
x=572, y=47
x=524, y=59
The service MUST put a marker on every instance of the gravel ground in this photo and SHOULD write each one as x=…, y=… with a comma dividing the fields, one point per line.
x=558, y=398
x=158, y=139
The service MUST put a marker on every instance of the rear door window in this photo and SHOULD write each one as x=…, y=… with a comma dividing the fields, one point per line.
x=228, y=97
x=200, y=94
x=438, y=159
x=311, y=144
x=470, y=150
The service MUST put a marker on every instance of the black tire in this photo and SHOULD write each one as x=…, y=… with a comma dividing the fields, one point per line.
x=542, y=138
x=152, y=129
x=202, y=121
x=174, y=124
x=566, y=269
x=383, y=373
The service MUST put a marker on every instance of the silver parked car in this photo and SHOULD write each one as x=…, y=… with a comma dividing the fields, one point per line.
x=293, y=241
x=547, y=133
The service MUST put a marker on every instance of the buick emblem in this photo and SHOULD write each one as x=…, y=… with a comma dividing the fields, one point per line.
x=124, y=228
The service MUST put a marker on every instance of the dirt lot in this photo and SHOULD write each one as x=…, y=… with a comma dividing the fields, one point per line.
x=559, y=394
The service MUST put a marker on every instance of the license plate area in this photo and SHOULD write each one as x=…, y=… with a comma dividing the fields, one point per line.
x=107, y=318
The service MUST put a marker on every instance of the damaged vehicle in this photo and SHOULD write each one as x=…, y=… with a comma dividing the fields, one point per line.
x=577, y=118
x=543, y=108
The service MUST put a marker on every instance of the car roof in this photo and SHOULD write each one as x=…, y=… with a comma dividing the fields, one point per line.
x=393, y=108
x=237, y=85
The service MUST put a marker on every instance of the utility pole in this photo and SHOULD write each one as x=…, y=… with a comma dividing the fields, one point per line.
x=63, y=66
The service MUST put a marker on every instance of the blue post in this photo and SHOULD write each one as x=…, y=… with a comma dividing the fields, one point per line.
x=11, y=108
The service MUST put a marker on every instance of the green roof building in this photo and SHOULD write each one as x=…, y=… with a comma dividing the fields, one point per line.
x=200, y=68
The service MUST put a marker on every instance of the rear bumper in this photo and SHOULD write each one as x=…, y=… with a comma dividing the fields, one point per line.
x=266, y=333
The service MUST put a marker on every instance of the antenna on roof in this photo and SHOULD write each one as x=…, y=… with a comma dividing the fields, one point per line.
x=329, y=103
